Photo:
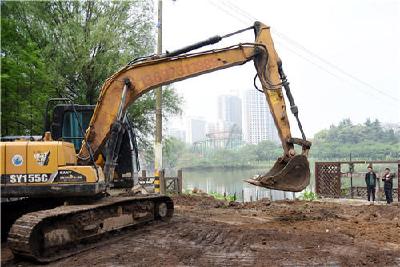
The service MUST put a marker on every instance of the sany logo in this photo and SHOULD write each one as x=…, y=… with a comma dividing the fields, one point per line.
x=42, y=158
x=17, y=160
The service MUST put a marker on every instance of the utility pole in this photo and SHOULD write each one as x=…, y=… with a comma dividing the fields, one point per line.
x=158, y=139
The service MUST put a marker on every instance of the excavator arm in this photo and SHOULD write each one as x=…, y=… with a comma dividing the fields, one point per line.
x=290, y=172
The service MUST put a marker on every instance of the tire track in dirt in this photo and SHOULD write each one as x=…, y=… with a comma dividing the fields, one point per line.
x=206, y=232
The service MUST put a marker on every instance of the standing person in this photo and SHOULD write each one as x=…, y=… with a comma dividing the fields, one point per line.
x=370, y=180
x=388, y=186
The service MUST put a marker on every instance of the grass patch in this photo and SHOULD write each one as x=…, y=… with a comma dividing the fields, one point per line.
x=223, y=196
x=308, y=196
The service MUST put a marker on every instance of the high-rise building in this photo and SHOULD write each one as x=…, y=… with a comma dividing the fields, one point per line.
x=229, y=112
x=196, y=130
x=258, y=122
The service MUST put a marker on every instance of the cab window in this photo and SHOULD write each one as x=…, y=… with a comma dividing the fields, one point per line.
x=71, y=132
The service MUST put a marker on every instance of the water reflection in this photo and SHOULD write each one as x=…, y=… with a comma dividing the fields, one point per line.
x=231, y=182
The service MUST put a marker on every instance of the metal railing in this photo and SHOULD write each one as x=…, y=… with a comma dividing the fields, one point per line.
x=331, y=181
x=168, y=185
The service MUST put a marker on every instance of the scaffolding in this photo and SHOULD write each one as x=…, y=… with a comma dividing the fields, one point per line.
x=231, y=139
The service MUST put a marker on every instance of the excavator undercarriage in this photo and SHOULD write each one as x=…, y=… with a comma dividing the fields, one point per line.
x=51, y=234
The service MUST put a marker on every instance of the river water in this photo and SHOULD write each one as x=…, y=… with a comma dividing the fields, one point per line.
x=231, y=182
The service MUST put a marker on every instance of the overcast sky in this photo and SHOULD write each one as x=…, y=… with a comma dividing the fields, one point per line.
x=353, y=70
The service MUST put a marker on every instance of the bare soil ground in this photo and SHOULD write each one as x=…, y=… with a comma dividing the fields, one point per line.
x=208, y=232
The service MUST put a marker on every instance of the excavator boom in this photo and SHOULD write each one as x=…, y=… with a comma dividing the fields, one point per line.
x=149, y=74
x=128, y=84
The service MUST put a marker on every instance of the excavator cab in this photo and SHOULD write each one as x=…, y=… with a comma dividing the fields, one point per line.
x=69, y=123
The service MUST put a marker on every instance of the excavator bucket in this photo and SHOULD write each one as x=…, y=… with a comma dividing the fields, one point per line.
x=293, y=175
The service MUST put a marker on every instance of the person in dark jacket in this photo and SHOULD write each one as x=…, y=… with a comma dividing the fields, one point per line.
x=370, y=180
x=388, y=185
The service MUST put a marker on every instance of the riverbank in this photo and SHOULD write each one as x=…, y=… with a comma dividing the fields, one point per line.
x=220, y=167
x=209, y=232
x=231, y=166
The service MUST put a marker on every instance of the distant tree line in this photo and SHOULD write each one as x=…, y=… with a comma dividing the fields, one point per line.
x=368, y=141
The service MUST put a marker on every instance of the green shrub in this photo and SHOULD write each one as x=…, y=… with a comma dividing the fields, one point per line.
x=308, y=196
x=222, y=197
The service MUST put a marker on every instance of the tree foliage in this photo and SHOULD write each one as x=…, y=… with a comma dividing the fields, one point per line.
x=24, y=74
x=142, y=113
x=348, y=133
x=68, y=49
x=369, y=141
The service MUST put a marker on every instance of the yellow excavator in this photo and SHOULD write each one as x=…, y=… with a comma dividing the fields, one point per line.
x=64, y=201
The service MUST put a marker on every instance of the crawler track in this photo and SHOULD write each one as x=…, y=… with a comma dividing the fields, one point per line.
x=48, y=235
x=12, y=210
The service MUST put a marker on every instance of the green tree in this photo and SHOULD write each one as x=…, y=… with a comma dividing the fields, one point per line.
x=68, y=49
x=173, y=149
x=142, y=113
x=267, y=150
x=25, y=83
x=368, y=141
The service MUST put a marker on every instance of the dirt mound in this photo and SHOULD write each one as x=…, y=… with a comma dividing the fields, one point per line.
x=203, y=201
x=257, y=205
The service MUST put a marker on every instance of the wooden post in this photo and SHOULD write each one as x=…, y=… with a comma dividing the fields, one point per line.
x=351, y=169
x=377, y=190
x=242, y=196
x=143, y=179
x=398, y=182
x=180, y=181
x=162, y=182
